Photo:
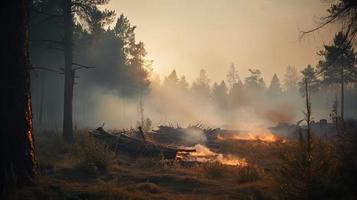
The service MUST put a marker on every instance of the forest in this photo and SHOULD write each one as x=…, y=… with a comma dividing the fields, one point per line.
x=87, y=113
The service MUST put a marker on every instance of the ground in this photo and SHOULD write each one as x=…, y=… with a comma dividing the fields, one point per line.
x=87, y=170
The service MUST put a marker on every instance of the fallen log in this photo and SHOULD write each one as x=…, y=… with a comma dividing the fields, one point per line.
x=132, y=146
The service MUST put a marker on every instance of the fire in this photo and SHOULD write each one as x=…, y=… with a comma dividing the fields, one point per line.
x=232, y=160
x=204, y=154
x=265, y=138
x=219, y=137
x=260, y=134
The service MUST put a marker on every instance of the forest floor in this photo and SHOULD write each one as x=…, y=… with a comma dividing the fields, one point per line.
x=87, y=170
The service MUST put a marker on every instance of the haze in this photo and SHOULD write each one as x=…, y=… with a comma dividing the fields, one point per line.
x=189, y=35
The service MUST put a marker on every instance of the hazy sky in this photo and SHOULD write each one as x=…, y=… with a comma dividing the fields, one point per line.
x=188, y=35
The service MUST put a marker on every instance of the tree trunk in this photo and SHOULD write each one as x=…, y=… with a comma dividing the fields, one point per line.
x=68, y=72
x=342, y=98
x=17, y=163
x=308, y=138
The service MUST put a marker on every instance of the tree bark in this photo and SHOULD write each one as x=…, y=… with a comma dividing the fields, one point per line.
x=68, y=72
x=17, y=153
x=342, y=95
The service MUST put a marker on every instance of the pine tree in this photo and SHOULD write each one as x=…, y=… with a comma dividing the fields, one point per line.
x=291, y=80
x=201, y=85
x=171, y=80
x=232, y=76
x=183, y=84
x=237, y=94
x=338, y=65
x=219, y=94
x=274, y=89
x=310, y=75
x=254, y=82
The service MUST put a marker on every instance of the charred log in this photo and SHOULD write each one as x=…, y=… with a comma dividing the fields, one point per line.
x=125, y=144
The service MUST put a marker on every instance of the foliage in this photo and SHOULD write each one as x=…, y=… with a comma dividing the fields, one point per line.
x=201, y=85
x=309, y=74
x=237, y=94
x=183, y=84
x=275, y=87
x=346, y=156
x=232, y=76
x=220, y=94
x=296, y=182
x=291, y=80
x=338, y=59
x=119, y=60
x=171, y=80
x=254, y=81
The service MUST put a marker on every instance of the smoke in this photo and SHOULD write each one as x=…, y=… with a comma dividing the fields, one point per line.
x=194, y=135
x=166, y=105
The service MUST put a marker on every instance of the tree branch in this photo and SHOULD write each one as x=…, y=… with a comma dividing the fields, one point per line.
x=80, y=66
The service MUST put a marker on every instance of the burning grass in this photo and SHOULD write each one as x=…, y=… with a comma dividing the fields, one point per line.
x=254, y=134
x=205, y=155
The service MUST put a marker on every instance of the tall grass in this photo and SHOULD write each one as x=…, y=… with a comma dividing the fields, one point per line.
x=94, y=157
x=86, y=153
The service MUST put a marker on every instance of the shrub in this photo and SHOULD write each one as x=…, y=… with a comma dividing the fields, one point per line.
x=93, y=156
x=296, y=180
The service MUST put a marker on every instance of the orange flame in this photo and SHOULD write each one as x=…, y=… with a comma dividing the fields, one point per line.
x=204, y=154
x=265, y=138
x=260, y=134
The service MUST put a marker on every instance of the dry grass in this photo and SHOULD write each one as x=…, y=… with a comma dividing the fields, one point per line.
x=93, y=156
x=214, y=170
x=88, y=170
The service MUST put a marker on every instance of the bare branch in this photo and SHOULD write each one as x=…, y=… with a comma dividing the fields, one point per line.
x=338, y=12
x=80, y=66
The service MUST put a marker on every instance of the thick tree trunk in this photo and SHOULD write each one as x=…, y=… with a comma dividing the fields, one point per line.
x=68, y=72
x=17, y=155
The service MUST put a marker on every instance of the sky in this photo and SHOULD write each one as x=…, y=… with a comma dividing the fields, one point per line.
x=189, y=35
